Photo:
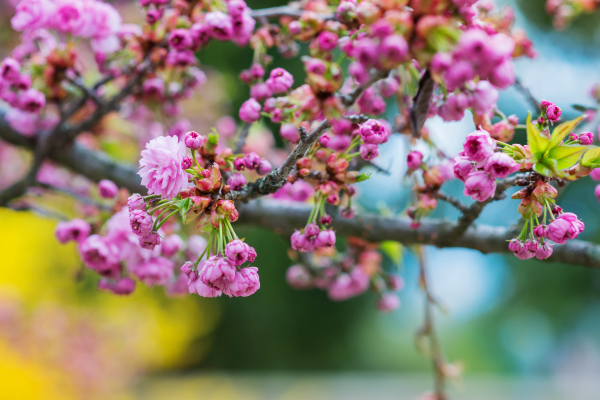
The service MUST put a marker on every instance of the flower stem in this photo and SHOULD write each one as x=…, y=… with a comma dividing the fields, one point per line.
x=166, y=219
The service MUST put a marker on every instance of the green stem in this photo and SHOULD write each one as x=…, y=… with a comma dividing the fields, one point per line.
x=157, y=219
x=206, y=249
x=313, y=211
x=220, y=237
x=231, y=228
x=531, y=227
x=523, y=232
x=166, y=219
x=196, y=160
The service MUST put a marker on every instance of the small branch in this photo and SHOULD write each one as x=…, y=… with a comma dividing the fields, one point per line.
x=87, y=92
x=53, y=214
x=459, y=205
x=274, y=180
x=528, y=96
x=284, y=11
x=428, y=330
x=421, y=104
x=15, y=190
x=76, y=196
x=242, y=138
x=472, y=213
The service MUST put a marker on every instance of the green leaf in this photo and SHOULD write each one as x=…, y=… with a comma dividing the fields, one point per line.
x=563, y=153
x=392, y=249
x=561, y=132
x=363, y=177
x=591, y=157
x=581, y=108
x=542, y=169
x=537, y=143
x=184, y=207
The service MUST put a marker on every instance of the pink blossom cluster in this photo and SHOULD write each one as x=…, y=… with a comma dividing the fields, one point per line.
x=311, y=237
x=224, y=274
x=350, y=278
x=479, y=165
x=478, y=54
x=117, y=256
x=88, y=19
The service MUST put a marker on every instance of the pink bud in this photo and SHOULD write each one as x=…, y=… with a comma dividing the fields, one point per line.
x=586, y=138
x=289, y=132
x=250, y=111
x=107, y=189
x=414, y=159
x=193, y=140
x=388, y=302
x=186, y=162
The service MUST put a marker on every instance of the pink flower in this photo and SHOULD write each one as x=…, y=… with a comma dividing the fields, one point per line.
x=237, y=252
x=141, y=222
x=236, y=7
x=349, y=285
x=280, y=81
x=359, y=72
x=260, y=92
x=478, y=146
x=515, y=245
x=243, y=27
x=153, y=88
x=544, y=251
x=186, y=163
x=540, y=231
x=566, y=226
x=392, y=51
x=122, y=286
x=368, y=151
x=107, y=189
x=326, y=238
x=327, y=40
x=503, y=75
x=181, y=39
x=553, y=112
x=289, y=132
x=23, y=122
x=136, y=201
x=480, y=186
x=196, y=286
x=374, y=132
x=462, y=167
x=586, y=138
x=245, y=283
x=414, y=160
x=483, y=97
x=31, y=14
x=597, y=191
x=75, y=230
x=298, y=277
x=100, y=255
x=150, y=241
x=388, y=302
x=366, y=52
x=10, y=70
x=595, y=174
x=458, y=74
x=217, y=272
x=155, y=271
x=264, y=167
x=250, y=111
x=68, y=16
x=300, y=242
x=387, y=87
x=160, y=167
x=219, y=25
x=453, y=109
x=500, y=165
x=236, y=181
x=192, y=140
x=171, y=245
x=311, y=231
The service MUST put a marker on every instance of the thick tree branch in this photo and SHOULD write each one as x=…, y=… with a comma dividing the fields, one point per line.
x=284, y=218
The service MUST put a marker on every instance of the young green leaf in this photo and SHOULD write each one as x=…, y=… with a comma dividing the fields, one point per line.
x=561, y=132
x=566, y=156
x=537, y=143
x=591, y=157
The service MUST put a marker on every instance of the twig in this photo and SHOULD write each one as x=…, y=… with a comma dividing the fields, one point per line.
x=76, y=196
x=428, y=330
x=274, y=180
x=40, y=210
x=242, y=138
x=528, y=96
x=284, y=11
x=459, y=205
x=90, y=93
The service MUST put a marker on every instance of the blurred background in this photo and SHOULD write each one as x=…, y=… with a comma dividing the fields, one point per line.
x=517, y=329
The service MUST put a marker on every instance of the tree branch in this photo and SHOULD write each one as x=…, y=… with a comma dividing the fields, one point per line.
x=284, y=11
x=528, y=96
x=274, y=180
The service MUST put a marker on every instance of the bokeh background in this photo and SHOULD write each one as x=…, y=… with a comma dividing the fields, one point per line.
x=518, y=329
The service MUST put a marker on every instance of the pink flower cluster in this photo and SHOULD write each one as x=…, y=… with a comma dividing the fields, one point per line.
x=117, y=254
x=311, y=237
x=219, y=274
x=479, y=54
x=252, y=162
x=478, y=165
x=279, y=82
x=89, y=19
